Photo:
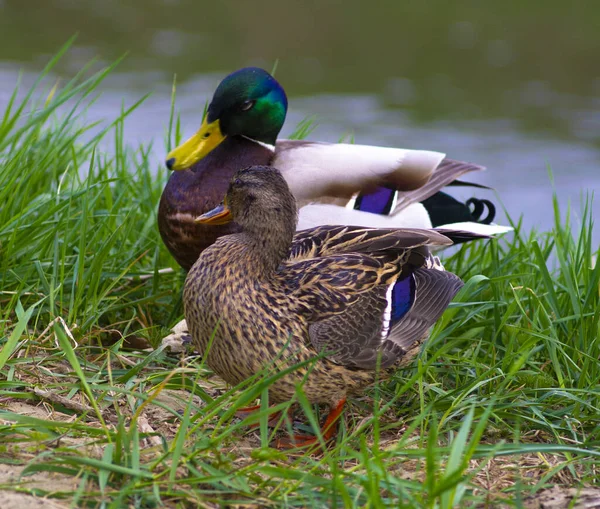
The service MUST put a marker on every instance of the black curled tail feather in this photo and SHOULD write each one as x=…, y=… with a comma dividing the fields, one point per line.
x=479, y=206
x=445, y=209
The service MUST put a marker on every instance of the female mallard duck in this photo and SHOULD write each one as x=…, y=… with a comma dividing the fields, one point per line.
x=240, y=129
x=363, y=297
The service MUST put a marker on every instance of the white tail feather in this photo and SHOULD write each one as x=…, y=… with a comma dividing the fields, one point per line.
x=479, y=228
x=310, y=216
x=414, y=216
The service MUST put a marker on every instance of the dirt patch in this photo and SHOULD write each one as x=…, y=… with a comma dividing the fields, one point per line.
x=12, y=500
x=38, y=410
x=559, y=498
x=46, y=482
x=161, y=420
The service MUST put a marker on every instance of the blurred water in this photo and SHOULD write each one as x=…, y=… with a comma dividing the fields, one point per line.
x=515, y=89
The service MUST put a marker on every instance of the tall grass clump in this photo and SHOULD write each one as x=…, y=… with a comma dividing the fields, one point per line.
x=94, y=412
x=78, y=226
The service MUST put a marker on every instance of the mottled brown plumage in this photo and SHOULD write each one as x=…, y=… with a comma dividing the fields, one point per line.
x=271, y=297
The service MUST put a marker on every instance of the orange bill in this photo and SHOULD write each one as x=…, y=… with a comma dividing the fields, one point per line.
x=219, y=215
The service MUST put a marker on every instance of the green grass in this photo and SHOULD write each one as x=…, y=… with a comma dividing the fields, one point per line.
x=503, y=401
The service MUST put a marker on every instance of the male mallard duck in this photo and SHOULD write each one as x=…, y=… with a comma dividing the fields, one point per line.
x=240, y=129
x=363, y=297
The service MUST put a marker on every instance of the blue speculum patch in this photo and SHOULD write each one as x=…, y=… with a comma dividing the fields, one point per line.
x=379, y=201
x=403, y=297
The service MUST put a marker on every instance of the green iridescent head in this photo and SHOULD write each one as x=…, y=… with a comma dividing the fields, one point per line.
x=249, y=102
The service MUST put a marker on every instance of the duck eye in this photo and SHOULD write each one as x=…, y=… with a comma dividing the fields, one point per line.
x=247, y=105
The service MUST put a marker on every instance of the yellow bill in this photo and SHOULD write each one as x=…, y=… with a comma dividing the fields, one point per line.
x=207, y=138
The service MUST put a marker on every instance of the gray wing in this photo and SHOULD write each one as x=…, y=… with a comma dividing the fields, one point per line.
x=315, y=170
x=330, y=240
x=354, y=337
x=357, y=336
x=435, y=290
x=447, y=172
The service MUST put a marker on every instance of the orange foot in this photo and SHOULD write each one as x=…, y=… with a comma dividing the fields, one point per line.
x=328, y=431
x=243, y=413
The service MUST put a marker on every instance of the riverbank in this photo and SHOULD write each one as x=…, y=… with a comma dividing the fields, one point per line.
x=502, y=403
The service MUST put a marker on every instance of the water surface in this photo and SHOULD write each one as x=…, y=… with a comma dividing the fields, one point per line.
x=513, y=86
